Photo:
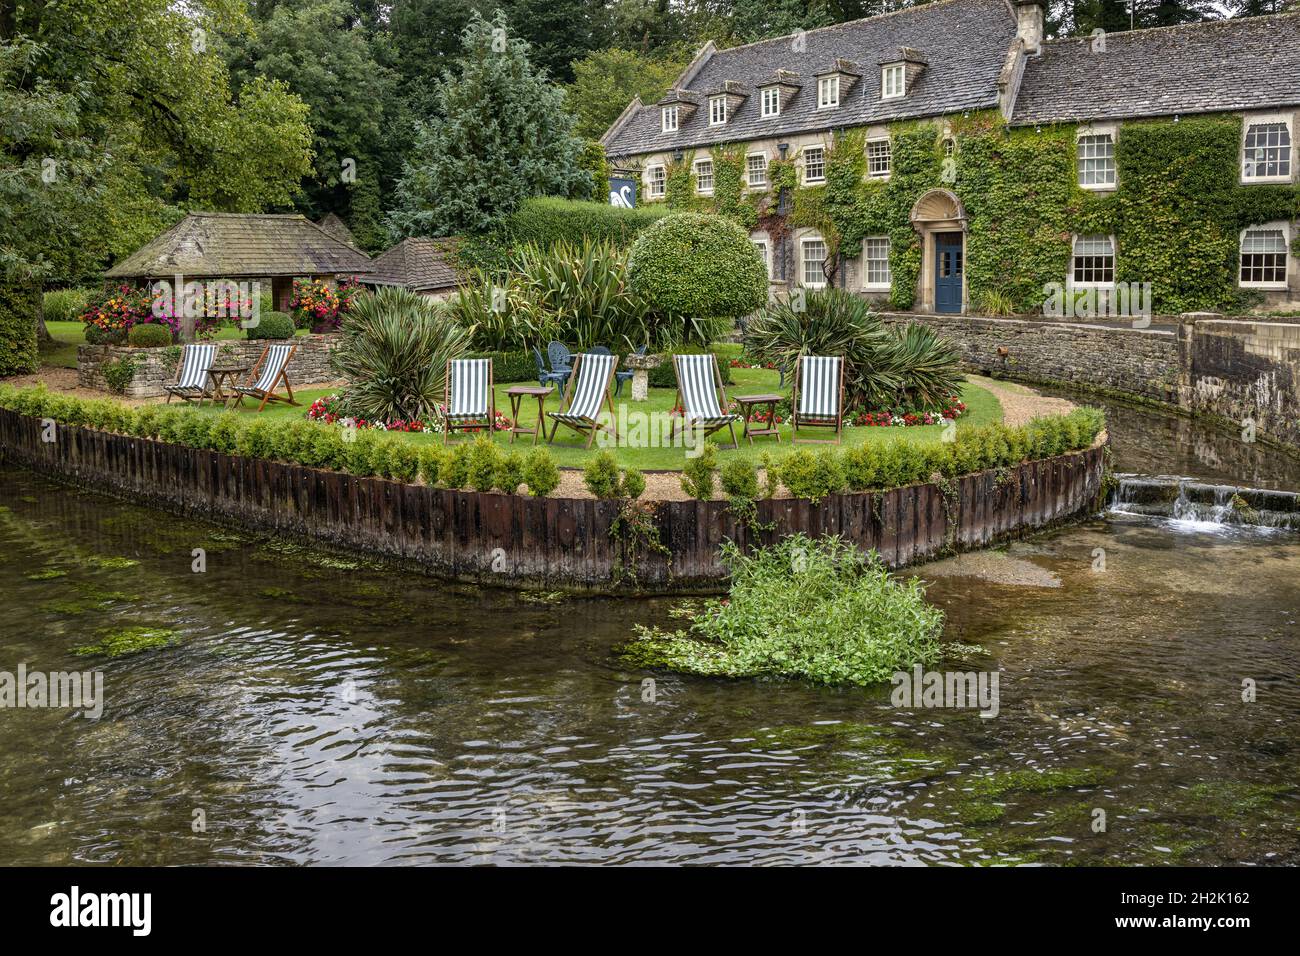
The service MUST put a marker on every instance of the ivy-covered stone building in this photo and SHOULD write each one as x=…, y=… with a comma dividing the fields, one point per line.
x=948, y=158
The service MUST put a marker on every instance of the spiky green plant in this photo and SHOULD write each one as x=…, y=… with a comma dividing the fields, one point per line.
x=394, y=354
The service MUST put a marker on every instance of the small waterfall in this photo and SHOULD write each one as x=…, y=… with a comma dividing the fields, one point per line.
x=1202, y=506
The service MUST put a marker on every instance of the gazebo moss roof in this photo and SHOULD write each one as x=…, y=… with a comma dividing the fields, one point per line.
x=229, y=245
x=422, y=265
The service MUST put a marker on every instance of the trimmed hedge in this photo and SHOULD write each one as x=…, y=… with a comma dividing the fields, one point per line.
x=20, y=304
x=509, y=366
x=149, y=336
x=273, y=325
x=547, y=220
x=480, y=464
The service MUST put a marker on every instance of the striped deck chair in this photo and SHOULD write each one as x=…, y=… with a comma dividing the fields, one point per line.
x=701, y=395
x=818, y=398
x=192, y=375
x=268, y=374
x=588, y=385
x=469, y=398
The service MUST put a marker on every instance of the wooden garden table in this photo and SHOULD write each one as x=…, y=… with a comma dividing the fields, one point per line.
x=517, y=394
x=222, y=375
x=747, y=404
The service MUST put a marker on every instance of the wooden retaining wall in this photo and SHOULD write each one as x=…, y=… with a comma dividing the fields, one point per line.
x=545, y=542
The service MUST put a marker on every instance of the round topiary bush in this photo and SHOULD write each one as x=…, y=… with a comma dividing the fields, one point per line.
x=272, y=325
x=150, y=335
x=697, y=267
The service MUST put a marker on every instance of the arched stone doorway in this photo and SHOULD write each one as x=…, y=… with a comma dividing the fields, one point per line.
x=940, y=219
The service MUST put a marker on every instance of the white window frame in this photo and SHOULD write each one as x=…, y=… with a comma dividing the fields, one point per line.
x=828, y=92
x=770, y=102
x=804, y=261
x=1269, y=119
x=749, y=177
x=650, y=182
x=717, y=110
x=889, y=157
x=700, y=188
x=1073, y=283
x=1279, y=226
x=766, y=243
x=808, y=180
x=887, y=283
x=897, y=71
x=669, y=112
x=1089, y=132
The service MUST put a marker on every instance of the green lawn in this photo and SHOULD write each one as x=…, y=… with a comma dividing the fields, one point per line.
x=982, y=408
x=62, y=352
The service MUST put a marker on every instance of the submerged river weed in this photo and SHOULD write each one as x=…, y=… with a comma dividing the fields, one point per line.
x=814, y=609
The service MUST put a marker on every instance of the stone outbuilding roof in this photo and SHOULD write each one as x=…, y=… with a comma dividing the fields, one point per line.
x=964, y=43
x=1247, y=63
x=229, y=245
x=418, y=264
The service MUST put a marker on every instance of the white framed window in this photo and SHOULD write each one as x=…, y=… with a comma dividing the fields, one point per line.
x=1266, y=150
x=771, y=105
x=704, y=177
x=1093, y=263
x=1264, y=257
x=656, y=182
x=756, y=170
x=949, y=147
x=1096, y=160
x=828, y=92
x=812, y=255
x=893, y=81
x=670, y=119
x=875, y=264
x=878, y=157
x=764, y=248
x=717, y=110
x=814, y=164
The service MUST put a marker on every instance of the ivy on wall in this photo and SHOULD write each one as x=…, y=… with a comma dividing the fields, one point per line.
x=1176, y=216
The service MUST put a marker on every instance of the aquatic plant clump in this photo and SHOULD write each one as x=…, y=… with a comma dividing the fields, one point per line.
x=813, y=609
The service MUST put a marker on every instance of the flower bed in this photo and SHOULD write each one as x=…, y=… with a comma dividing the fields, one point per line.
x=328, y=410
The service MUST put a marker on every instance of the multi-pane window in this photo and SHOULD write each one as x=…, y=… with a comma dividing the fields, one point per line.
x=1267, y=152
x=717, y=110
x=771, y=101
x=812, y=256
x=670, y=119
x=828, y=91
x=1096, y=161
x=1263, y=257
x=814, y=164
x=892, y=79
x=656, y=182
x=878, y=158
x=949, y=147
x=1094, y=261
x=704, y=176
x=760, y=246
x=875, y=262
x=756, y=170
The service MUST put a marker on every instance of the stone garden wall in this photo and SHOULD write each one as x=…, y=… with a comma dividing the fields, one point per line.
x=155, y=368
x=1232, y=368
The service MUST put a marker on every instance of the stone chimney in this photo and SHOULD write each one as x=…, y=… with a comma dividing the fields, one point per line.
x=1029, y=22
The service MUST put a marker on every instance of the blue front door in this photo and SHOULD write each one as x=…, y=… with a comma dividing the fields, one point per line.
x=947, y=271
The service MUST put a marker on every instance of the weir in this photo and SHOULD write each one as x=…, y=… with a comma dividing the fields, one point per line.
x=1184, y=499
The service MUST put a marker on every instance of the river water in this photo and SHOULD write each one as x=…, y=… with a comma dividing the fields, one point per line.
x=304, y=707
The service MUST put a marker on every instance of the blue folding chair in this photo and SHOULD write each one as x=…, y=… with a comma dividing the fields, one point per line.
x=545, y=377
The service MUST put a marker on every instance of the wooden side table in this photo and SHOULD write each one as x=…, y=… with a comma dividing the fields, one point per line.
x=225, y=375
x=747, y=404
x=517, y=394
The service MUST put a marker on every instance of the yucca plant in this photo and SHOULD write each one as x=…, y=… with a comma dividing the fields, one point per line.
x=927, y=367
x=394, y=352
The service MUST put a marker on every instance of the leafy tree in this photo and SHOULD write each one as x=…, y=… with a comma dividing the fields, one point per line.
x=559, y=31
x=502, y=135
x=604, y=83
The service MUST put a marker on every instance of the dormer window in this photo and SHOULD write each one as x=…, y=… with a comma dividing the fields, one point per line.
x=828, y=92
x=669, y=119
x=893, y=80
x=1266, y=150
x=771, y=101
x=717, y=110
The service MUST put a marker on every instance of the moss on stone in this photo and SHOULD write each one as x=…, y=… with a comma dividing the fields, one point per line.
x=128, y=640
x=46, y=574
x=1034, y=781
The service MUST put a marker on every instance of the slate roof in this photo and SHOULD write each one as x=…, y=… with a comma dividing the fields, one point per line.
x=1247, y=63
x=965, y=43
x=337, y=228
x=228, y=245
x=421, y=265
